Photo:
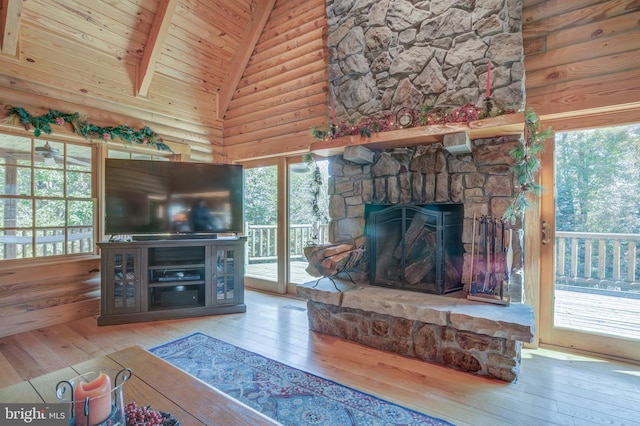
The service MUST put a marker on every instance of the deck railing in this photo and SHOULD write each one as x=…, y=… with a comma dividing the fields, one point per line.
x=262, y=239
x=20, y=244
x=597, y=260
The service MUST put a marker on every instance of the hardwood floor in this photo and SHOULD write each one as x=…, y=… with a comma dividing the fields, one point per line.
x=554, y=388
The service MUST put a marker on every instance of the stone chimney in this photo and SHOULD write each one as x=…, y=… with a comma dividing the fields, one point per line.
x=390, y=54
x=387, y=55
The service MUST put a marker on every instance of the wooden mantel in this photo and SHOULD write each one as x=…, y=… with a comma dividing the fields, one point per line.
x=507, y=124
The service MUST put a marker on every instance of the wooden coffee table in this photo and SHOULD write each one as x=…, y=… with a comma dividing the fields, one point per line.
x=155, y=383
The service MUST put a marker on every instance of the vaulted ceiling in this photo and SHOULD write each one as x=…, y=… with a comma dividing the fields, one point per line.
x=171, y=64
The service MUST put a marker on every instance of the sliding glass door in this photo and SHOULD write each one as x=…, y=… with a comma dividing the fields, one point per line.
x=307, y=212
x=286, y=209
x=262, y=227
x=591, y=262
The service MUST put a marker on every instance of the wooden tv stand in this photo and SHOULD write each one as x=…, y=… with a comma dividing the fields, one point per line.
x=173, y=278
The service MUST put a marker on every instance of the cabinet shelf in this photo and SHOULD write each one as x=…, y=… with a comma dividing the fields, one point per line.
x=177, y=266
x=174, y=283
x=173, y=308
x=169, y=279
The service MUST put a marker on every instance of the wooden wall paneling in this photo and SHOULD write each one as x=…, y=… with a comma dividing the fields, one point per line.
x=174, y=130
x=213, y=155
x=40, y=44
x=534, y=45
x=283, y=93
x=83, y=31
x=56, y=296
x=111, y=82
x=292, y=13
x=157, y=35
x=119, y=17
x=180, y=41
x=274, y=131
x=534, y=10
x=286, y=112
x=180, y=53
x=243, y=54
x=58, y=314
x=581, y=56
x=10, y=11
x=191, y=72
x=282, y=60
x=599, y=92
x=625, y=42
x=266, y=103
x=132, y=11
x=220, y=29
x=593, y=30
x=27, y=297
x=600, y=66
x=290, y=20
x=284, y=82
x=554, y=15
x=56, y=291
x=290, y=144
x=198, y=106
x=224, y=18
x=65, y=77
x=309, y=46
x=616, y=117
x=82, y=88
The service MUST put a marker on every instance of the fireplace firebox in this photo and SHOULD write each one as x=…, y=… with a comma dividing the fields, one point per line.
x=415, y=247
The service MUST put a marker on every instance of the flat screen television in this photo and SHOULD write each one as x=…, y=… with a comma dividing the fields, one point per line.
x=144, y=197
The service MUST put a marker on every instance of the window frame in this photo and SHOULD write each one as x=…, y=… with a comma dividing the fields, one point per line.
x=34, y=228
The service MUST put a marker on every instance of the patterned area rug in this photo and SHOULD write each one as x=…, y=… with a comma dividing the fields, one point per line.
x=287, y=395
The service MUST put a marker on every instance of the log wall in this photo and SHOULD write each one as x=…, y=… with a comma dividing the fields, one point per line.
x=582, y=56
x=283, y=92
x=54, y=292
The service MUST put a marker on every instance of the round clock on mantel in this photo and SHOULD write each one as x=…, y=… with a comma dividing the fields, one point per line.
x=405, y=118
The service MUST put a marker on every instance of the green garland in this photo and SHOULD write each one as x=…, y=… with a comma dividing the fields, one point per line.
x=527, y=164
x=42, y=124
x=425, y=116
x=316, y=187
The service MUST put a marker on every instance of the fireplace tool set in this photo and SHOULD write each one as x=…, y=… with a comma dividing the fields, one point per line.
x=491, y=261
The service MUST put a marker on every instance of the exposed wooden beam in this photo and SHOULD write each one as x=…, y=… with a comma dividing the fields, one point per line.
x=152, y=49
x=250, y=37
x=10, y=26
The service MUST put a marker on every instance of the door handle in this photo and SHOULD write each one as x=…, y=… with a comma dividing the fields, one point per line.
x=546, y=233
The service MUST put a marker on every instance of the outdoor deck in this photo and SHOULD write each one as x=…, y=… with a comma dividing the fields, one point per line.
x=582, y=309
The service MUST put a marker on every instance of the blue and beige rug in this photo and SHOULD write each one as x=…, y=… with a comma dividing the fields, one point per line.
x=287, y=395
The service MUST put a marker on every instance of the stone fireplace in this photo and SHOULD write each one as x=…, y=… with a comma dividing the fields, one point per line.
x=390, y=55
x=479, y=182
x=479, y=338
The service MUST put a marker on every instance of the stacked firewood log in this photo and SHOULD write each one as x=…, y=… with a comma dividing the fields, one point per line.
x=329, y=260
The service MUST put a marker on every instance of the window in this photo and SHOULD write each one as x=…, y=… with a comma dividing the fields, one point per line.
x=134, y=155
x=46, y=198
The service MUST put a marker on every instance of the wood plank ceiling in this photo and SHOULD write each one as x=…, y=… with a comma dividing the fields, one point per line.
x=170, y=64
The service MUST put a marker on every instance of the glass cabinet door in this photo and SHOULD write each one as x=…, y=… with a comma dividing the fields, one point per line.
x=225, y=276
x=124, y=285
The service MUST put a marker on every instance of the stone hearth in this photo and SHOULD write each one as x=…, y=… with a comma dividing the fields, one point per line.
x=481, y=339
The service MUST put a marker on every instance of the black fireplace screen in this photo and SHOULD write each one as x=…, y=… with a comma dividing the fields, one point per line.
x=416, y=247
